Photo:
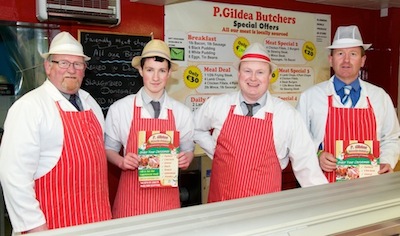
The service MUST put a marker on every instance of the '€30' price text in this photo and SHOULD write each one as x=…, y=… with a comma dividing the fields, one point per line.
x=192, y=77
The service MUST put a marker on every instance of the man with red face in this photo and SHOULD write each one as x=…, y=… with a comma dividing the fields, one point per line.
x=53, y=166
x=347, y=108
x=134, y=113
x=251, y=135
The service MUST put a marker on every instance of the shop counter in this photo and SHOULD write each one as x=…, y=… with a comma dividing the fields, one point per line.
x=342, y=208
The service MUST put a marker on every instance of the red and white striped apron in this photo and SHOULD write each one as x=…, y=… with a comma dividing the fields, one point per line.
x=130, y=199
x=347, y=124
x=75, y=191
x=245, y=161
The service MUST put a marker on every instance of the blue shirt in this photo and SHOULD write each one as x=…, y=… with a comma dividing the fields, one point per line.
x=355, y=90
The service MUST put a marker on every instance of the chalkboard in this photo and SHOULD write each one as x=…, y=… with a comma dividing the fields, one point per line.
x=109, y=75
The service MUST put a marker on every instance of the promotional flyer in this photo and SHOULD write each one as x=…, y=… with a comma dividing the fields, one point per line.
x=158, y=152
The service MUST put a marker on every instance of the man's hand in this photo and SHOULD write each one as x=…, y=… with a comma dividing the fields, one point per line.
x=184, y=159
x=385, y=168
x=327, y=162
x=38, y=229
x=130, y=162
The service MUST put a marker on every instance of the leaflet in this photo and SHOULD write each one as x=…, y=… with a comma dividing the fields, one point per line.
x=356, y=159
x=158, y=152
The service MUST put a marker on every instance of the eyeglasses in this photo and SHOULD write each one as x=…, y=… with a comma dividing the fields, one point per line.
x=66, y=64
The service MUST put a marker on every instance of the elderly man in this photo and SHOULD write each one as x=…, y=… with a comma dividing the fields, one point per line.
x=53, y=166
x=348, y=108
x=251, y=135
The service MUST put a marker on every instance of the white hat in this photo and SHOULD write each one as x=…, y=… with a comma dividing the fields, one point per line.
x=65, y=43
x=257, y=52
x=348, y=37
x=155, y=48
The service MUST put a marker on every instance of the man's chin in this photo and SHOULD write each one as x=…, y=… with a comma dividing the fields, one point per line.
x=70, y=86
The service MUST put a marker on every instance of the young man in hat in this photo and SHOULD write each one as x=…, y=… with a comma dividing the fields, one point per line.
x=53, y=166
x=348, y=108
x=134, y=113
x=251, y=135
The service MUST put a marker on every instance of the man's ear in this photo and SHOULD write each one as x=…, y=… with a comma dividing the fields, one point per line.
x=140, y=71
x=330, y=60
x=363, y=59
x=47, y=66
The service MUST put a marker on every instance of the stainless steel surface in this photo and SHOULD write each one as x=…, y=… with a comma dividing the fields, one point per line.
x=320, y=210
x=391, y=228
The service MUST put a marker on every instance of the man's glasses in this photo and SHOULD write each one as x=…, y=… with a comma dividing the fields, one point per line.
x=66, y=64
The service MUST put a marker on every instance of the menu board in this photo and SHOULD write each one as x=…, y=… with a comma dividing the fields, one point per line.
x=110, y=75
x=208, y=43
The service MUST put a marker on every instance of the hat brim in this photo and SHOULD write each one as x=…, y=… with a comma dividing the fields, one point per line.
x=136, y=62
x=273, y=65
x=365, y=46
x=46, y=55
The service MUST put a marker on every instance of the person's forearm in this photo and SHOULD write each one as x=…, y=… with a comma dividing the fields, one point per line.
x=114, y=157
x=205, y=141
x=390, y=150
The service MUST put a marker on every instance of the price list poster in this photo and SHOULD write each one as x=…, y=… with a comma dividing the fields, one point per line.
x=207, y=39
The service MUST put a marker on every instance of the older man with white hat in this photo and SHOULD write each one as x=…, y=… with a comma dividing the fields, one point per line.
x=251, y=136
x=150, y=109
x=347, y=108
x=53, y=166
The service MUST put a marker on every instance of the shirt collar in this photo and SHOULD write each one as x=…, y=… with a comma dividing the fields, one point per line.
x=262, y=100
x=67, y=96
x=147, y=99
x=340, y=84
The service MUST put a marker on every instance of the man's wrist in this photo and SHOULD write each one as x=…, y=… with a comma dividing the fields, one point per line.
x=319, y=153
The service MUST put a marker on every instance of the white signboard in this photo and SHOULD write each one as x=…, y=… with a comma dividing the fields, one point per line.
x=207, y=39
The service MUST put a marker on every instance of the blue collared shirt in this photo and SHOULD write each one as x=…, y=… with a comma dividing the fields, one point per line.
x=355, y=91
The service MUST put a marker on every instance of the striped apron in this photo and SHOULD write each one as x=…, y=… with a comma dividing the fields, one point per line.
x=245, y=161
x=347, y=124
x=75, y=191
x=130, y=199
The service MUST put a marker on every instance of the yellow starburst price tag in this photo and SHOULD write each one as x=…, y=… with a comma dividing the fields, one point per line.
x=274, y=76
x=192, y=77
x=240, y=45
x=309, y=51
